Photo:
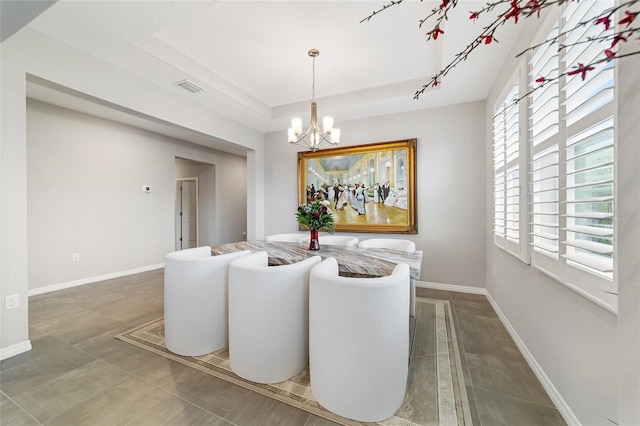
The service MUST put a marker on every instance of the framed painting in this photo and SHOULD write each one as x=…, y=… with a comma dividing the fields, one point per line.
x=371, y=188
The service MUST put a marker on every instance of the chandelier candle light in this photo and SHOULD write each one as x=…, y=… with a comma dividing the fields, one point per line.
x=313, y=137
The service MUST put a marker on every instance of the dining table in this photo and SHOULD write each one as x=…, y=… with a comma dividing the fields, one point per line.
x=353, y=261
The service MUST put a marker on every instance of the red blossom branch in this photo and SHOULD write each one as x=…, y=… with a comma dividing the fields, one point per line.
x=606, y=15
x=580, y=69
x=385, y=7
x=487, y=36
x=514, y=12
x=631, y=16
x=522, y=9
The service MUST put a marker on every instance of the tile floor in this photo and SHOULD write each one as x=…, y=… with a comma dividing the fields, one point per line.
x=78, y=374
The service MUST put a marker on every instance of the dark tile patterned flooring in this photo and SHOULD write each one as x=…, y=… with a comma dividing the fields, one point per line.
x=502, y=388
x=78, y=374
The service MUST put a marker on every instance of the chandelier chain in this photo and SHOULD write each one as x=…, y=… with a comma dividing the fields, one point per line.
x=313, y=84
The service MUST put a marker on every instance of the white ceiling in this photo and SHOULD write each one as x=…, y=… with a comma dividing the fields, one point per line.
x=251, y=56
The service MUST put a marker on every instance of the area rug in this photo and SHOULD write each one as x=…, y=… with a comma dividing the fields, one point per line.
x=436, y=392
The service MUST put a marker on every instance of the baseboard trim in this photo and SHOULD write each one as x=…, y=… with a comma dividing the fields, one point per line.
x=89, y=280
x=14, y=350
x=451, y=287
x=558, y=400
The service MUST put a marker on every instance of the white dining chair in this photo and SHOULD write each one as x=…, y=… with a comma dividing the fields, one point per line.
x=268, y=318
x=195, y=300
x=406, y=246
x=359, y=341
x=286, y=238
x=335, y=240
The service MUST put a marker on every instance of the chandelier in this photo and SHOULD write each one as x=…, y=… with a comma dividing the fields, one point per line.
x=313, y=137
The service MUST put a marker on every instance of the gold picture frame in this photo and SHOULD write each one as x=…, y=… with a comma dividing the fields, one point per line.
x=391, y=165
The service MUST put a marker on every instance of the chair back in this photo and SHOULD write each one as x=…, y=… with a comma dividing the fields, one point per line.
x=407, y=246
x=195, y=300
x=359, y=341
x=268, y=318
x=286, y=238
x=335, y=240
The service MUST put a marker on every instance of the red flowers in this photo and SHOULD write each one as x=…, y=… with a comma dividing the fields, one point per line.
x=474, y=15
x=610, y=54
x=316, y=215
x=540, y=80
x=488, y=38
x=581, y=69
x=436, y=31
x=618, y=38
x=444, y=3
x=604, y=20
x=534, y=5
x=514, y=12
x=629, y=18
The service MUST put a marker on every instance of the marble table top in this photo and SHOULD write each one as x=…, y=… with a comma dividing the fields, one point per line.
x=352, y=261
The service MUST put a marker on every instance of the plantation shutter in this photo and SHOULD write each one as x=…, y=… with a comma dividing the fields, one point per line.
x=544, y=178
x=507, y=225
x=572, y=161
x=589, y=148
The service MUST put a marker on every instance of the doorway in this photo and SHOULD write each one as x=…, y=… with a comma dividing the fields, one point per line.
x=186, y=213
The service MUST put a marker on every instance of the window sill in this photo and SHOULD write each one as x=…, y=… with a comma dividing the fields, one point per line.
x=606, y=305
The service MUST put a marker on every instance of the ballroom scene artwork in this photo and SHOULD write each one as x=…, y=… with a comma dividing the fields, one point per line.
x=371, y=188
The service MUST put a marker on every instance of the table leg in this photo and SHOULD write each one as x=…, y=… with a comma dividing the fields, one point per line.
x=412, y=298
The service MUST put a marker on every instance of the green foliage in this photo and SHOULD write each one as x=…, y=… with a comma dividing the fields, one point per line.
x=316, y=215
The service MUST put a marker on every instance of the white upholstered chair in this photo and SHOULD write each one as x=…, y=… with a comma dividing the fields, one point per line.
x=286, y=238
x=359, y=341
x=334, y=240
x=268, y=318
x=195, y=300
x=407, y=246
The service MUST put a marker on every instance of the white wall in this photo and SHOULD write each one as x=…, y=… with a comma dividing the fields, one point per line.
x=30, y=52
x=85, y=178
x=450, y=190
x=13, y=208
x=572, y=340
x=628, y=229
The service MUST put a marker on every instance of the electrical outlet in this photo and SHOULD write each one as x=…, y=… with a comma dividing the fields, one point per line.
x=12, y=302
x=75, y=257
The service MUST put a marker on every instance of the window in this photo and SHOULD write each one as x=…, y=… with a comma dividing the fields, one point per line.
x=508, y=228
x=544, y=178
x=571, y=143
x=589, y=146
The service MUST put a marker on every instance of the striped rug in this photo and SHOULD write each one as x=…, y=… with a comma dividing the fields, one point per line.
x=436, y=392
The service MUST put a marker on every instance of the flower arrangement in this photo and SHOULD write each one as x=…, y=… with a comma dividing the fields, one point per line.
x=316, y=215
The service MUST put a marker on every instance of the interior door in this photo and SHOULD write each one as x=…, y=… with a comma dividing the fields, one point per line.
x=186, y=214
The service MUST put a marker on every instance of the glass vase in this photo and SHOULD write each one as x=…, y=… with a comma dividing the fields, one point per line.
x=314, y=243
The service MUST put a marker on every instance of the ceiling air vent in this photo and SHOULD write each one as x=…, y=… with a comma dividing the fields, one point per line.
x=189, y=86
